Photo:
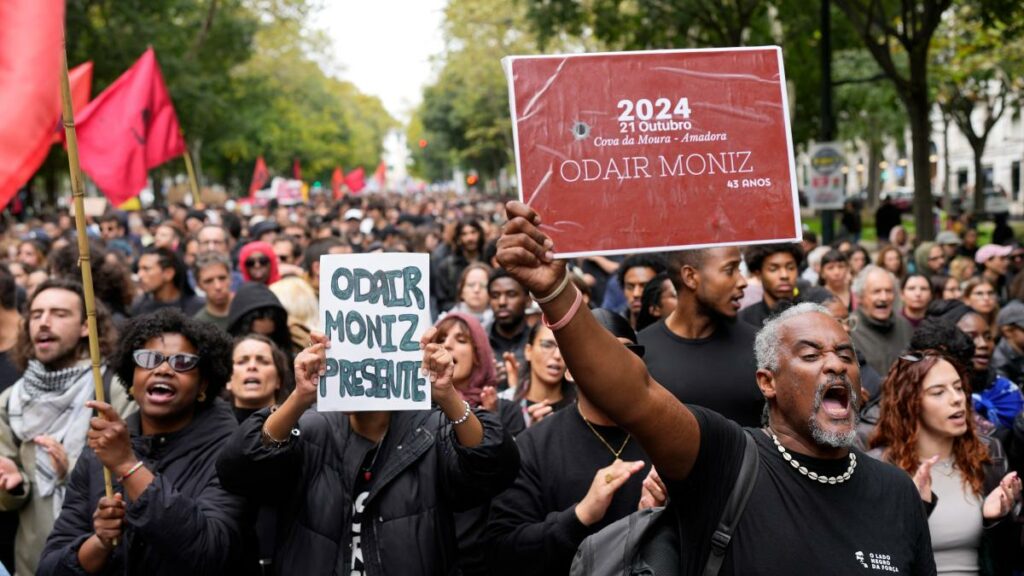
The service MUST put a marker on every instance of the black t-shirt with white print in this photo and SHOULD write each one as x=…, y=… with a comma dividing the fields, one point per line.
x=361, y=488
x=873, y=524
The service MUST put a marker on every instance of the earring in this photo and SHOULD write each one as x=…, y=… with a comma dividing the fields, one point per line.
x=202, y=396
x=131, y=390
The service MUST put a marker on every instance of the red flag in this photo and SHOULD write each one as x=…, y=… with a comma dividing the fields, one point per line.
x=355, y=180
x=80, y=78
x=31, y=36
x=381, y=174
x=337, y=179
x=259, y=177
x=296, y=169
x=128, y=129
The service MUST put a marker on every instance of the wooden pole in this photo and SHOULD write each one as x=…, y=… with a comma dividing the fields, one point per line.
x=84, y=261
x=192, y=182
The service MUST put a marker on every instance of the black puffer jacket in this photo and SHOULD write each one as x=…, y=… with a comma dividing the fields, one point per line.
x=424, y=476
x=183, y=523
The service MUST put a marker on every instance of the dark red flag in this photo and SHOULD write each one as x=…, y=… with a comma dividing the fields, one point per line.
x=260, y=176
x=296, y=169
x=337, y=179
x=31, y=34
x=355, y=180
x=128, y=129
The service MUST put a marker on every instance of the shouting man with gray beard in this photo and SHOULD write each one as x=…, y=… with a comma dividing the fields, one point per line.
x=818, y=506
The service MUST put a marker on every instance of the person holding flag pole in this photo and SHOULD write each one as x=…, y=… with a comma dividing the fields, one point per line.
x=169, y=515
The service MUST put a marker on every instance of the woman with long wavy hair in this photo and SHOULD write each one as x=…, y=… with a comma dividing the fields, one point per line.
x=926, y=427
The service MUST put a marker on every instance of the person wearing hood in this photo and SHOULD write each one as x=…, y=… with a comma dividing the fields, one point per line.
x=169, y=514
x=881, y=334
x=258, y=263
x=929, y=259
x=1008, y=358
x=255, y=309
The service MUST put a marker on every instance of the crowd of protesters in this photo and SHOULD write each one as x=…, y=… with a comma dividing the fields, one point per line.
x=566, y=396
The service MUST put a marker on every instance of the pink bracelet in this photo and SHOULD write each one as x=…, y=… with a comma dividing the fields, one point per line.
x=568, y=315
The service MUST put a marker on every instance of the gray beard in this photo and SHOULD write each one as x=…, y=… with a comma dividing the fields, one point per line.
x=835, y=439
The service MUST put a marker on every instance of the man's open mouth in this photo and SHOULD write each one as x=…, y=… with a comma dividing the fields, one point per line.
x=836, y=401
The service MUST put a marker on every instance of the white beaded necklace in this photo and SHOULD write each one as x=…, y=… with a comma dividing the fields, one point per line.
x=814, y=476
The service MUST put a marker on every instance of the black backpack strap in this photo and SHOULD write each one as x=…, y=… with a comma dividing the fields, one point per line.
x=745, y=481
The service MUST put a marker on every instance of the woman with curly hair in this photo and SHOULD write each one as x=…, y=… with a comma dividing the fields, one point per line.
x=926, y=427
x=169, y=514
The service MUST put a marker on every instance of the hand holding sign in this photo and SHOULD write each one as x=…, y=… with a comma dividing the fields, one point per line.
x=310, y=365
x=526, y=252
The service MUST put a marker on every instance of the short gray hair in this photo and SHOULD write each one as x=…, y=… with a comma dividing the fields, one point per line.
x=767, y=342
x=862, y=278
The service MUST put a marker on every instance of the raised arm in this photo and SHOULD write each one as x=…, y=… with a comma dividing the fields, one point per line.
x=612, y=377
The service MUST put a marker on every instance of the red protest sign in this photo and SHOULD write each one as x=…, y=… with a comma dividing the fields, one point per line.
x=644, y=151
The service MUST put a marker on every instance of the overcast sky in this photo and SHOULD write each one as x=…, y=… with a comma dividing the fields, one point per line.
x=386, y=47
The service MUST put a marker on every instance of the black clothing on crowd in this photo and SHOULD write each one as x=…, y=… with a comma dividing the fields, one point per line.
x=716, y=372
x=9, y=373
x=758, y=313
x=872, y=523
x=1006, y=361
x=422, y=475
x=183, y=523
x=445, y=284
x=189, y=304
x=252, y=296
x=516, y=345
x=470, y=524
x=266, y=517
x=533, y=527
x=242, y=413
x=887, y=217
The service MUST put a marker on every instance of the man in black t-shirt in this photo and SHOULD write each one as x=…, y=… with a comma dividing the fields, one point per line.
x=819, y=506
x=700, y=353
x=777, y=266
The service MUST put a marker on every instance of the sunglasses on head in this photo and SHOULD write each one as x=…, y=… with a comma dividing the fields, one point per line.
x=250, y=262
x=150, y=359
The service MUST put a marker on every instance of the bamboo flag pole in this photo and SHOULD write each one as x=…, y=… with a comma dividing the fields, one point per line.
x=78, y=192
x=192, y=182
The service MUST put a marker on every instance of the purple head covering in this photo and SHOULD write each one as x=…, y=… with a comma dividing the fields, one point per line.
x=483, y=373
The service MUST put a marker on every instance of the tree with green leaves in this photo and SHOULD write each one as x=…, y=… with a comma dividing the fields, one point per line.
x=979, y=76
x=464, y=113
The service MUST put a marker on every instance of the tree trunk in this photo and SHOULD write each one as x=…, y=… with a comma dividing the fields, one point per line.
x=918, y=108
x=874, y=158
x=947, y=190
x=978, y=146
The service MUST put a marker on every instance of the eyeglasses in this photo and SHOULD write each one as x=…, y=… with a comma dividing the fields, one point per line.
x=934, y=258
x=548, y=345
x=150, y=359
x=250, y=262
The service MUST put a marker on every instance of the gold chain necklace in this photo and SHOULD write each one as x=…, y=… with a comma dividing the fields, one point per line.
x=601, y=438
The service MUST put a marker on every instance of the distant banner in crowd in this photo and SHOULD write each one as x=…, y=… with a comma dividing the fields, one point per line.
x=826, y=188
x=374, y=308
x=645, y=151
